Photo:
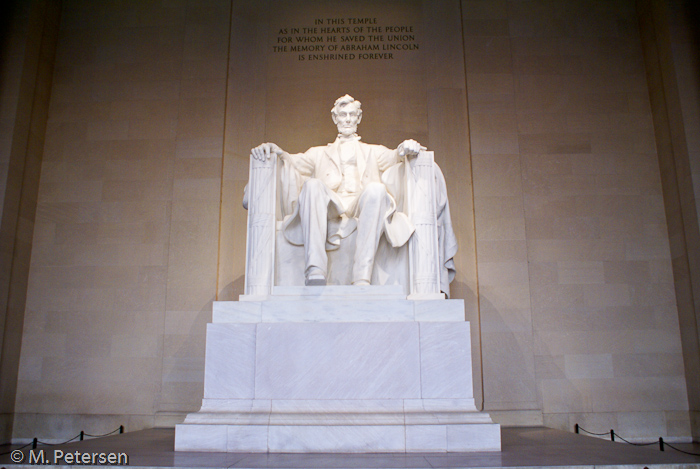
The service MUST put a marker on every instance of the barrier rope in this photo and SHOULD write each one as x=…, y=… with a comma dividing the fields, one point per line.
x=35, y=442
x=577, y=428
x=681, y=451
x=38, y=442
x=120, y=430
x=636, y=444
x=612, y=434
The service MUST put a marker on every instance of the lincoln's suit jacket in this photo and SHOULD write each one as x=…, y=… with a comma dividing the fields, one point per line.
x=323, y=163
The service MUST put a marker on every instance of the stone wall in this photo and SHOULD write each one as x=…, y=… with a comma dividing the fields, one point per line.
x=576, y=287
x=28, y=46
x=670, y=38
x=684, y=18
x=125, y=246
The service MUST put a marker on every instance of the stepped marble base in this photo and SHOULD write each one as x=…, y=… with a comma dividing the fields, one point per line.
x=338, y=438
x=315, y=371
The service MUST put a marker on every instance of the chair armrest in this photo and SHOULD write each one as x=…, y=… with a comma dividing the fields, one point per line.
x=261, y=194
x=424, y=258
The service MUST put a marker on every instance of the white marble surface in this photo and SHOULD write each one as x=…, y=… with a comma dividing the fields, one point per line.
x=337, y=418
x=360, y=310
x=252, y=438
x=444, y=348
x=235, y=405
x=438, y=405
x=337, y=308
x=338, y=412
x=201, y=437
x=338, y=438
x=230, y=361
x=329, y=382
x=438, y=310
x=484, y=437
x=337, y=361
x=374, y=406
x=426, y=438
x=338, y=292
x=236, y=311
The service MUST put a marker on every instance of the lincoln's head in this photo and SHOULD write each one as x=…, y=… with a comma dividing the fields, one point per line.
x=347, y=113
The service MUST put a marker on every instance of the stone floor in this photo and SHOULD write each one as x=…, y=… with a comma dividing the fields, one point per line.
x=522, y=447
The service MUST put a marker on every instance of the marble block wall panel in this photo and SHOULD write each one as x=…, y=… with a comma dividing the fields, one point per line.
x=338, y=412
x=453, y=438
x=337, y=361
x=473, y=437
x=221, y=438
x=28, y=43
x=338, y=310
x=339, y=292
x=574, y=257
x=236, y=311
x=230, y=361
x=445, y=354
x=673, y=65
x=439, y=310
x=312, y=368
x=201, y=438
x=244, y=436
x=359, y=309
x=338, y=438
x=426, y=438
x=123, y=266
x=338, y=387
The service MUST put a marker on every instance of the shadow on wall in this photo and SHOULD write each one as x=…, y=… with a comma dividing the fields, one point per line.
x=184, y=363
x=7, y=11
x=460, y=290
x=692, y=12
x=507, y=357
x=231, y=291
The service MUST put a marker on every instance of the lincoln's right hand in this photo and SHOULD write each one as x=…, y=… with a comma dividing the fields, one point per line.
x=264, y=151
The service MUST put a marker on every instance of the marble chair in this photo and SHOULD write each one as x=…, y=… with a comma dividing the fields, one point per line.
x=418, y=267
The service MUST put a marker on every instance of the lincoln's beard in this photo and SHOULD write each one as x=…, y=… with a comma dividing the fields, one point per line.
x=347, y=130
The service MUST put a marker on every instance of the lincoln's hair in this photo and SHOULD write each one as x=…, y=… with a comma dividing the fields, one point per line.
x=344, y=101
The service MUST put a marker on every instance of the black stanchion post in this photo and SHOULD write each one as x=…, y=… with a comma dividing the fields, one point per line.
x=121, y=428
x=82, y=435
x=612, y=435
x=661, y=444
x=576, y=428
x=34, y=442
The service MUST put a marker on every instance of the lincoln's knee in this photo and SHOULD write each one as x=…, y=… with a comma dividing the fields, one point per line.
x=312, y=187
x=374, y=191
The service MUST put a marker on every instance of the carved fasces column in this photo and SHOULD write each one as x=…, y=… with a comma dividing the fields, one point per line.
x=424, y=257
x=260, y=243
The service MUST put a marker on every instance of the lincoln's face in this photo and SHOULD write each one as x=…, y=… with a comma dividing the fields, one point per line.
x=346, y=118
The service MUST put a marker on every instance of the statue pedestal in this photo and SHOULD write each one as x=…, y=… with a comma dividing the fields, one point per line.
x=338, y=369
